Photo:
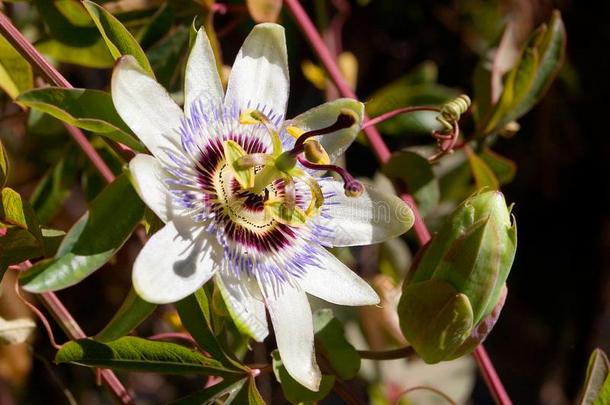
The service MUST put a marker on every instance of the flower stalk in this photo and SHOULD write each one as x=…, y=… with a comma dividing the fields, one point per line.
x=382, y=152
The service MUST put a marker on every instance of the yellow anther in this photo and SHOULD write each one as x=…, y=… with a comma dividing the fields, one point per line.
x=295, y=132
x=315, y=152
x=249, y=116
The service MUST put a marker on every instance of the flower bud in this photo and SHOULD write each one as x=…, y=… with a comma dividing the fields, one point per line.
x=457, y=286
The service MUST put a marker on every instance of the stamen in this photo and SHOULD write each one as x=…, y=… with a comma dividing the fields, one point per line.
x=317, y=197
x=250, y=116
x=352, y=187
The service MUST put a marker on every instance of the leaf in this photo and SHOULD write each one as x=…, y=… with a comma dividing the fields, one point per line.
x=92, y=110
x=416, y=173
x=212, y=395
x=158, y=26
x=3, y=166
x=484, y=177
x=264, y=10
x=137, y=354
x=526, y=83
x=294, y=392
x=598, y=371
x=132, y=312
x=504, y=169
x=16, y=330
x=119, y=41
x=195, y=316
x=18, y=245
x=60, y=18
x=247, y=395
x=95, y=55
x=16, y=211
x=330, y=339
x=15, y=72
x=166, y=55
x=55, y=187
x=418, y=87
x=92, y=241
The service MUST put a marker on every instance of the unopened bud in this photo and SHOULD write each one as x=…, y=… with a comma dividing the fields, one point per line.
x=456, y=288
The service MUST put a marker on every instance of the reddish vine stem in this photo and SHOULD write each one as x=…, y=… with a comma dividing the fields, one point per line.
x=51, y=75
x=382, y=152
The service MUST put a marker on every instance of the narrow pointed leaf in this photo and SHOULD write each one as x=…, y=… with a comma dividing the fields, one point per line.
x=503, y=168
x=15, y=72
x=118, y=39
x=16, y=211
x=484, y=177
x=132, y=312
x=92, y=110
x=227, y=387
x=92, y=241
x=95, y=55
x=194, y=312
x=598, y=371
x=137, y=354
x=247, y=395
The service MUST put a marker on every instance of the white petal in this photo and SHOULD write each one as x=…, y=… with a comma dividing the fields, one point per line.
x=325, y=115
x=293, y=325
x=201, y=79
x=244, y=302
x=370, y=218
x=334, y=282
x=148, y=174
x=174, y=263
x=145, y=107
x=259, y=77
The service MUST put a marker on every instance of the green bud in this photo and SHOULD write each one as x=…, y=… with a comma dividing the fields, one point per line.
x=456, y=288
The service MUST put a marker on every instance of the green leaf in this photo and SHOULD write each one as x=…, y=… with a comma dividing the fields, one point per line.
x=158, y=26
x=137, y=354
x=95, y=55
x=331, y=342
x=228, y=387
x=15, y=72
x=55, y=187
x=294, y=392
x=92, y=110
x=132, y=312
x=19, y=245
x=92, y=241
x=416, y=173
x=3, y=166
x=526, y=83
x=418, y=87
x=166, y=55
x=118, y=39
x=247, y=395
x=596, y=380
x=64, y=20
x=484, y=177
x=503, y=168
x=16, y=211
x=195, y=315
